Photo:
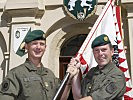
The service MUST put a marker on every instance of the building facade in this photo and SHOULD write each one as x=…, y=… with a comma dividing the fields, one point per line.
x=63, y=32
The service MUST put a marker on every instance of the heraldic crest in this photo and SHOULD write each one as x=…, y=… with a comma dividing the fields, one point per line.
x=80, y=9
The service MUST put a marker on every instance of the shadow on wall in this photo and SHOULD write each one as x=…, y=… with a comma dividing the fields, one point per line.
x=3, y=48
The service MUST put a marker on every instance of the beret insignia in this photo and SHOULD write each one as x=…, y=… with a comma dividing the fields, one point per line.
x=22, y=46
x=105, y=38
x=44, y=36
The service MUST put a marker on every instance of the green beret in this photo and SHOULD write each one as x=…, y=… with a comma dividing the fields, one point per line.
x=35, y=35
x=100, y=41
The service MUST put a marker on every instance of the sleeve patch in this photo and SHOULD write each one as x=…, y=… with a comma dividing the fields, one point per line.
x=111, y=88
x=5, y=85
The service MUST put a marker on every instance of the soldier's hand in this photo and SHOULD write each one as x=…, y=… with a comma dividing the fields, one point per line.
x=72, y=70
x=78, y=64
x=75, y=62
x=73, y=67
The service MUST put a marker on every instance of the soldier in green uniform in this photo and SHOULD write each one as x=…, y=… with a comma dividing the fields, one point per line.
x=103, y=82
x=31, y=80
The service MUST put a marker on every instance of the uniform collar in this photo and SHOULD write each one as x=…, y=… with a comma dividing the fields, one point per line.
x=107, y=68
x=31, y=67
x=97, y=71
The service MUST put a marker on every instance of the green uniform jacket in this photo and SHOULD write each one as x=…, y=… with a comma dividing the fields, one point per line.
x=26, y=82
x=106, y=84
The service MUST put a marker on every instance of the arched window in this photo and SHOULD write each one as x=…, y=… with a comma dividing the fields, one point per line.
x=71, y=47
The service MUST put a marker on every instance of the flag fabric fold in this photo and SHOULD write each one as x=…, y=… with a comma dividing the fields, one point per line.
x=107, y=23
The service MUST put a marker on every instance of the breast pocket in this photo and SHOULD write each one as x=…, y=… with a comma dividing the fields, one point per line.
x=27, y=88
x=31, y=86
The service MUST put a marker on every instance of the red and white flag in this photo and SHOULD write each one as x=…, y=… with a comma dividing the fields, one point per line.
x=107, y=24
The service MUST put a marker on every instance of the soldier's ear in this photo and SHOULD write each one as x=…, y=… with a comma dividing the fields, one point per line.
x=112, y=50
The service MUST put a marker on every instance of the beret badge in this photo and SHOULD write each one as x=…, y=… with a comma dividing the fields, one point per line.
x=105, y=38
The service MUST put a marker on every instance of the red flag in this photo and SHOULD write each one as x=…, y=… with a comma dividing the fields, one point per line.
x=106, y=24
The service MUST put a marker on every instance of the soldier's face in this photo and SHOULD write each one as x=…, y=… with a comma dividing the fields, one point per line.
x=103, y=55
x=36, y=48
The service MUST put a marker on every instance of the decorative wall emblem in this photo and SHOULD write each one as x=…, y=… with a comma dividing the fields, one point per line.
x=80, y=9
x=19, y=36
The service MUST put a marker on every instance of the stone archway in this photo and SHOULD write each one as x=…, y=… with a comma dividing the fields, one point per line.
x=61, y=37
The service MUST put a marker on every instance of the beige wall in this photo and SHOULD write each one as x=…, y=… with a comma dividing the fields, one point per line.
x=50, y=16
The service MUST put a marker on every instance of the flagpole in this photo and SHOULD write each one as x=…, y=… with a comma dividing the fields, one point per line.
x=62, y=87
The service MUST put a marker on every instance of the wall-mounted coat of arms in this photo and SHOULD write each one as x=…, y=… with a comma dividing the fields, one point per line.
x=80, y=9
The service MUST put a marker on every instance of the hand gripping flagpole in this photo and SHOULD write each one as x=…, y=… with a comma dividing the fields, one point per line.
x=62, y=87
x=63, y=84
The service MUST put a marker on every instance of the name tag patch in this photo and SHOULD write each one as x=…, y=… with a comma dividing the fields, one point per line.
x=32, y=78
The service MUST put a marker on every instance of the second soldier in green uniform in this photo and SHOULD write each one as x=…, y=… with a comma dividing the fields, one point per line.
x=103, y=82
